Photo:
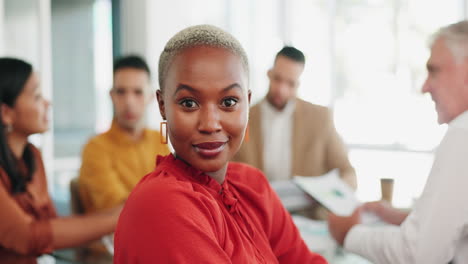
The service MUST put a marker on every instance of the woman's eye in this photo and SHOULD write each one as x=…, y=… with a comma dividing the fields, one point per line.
x=229, y=102
x=188, y=103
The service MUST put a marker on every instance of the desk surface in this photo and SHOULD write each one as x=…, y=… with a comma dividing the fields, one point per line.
x=82, y=256
x=318, y=239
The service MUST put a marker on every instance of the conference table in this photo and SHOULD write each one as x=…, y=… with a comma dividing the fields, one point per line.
x=82, y=256
x=316, y=236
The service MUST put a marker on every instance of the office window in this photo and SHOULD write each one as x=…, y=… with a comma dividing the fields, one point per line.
x=82, y=77
x=310, y=30
x=82, y=70
x=381, y=51
x=366, y=59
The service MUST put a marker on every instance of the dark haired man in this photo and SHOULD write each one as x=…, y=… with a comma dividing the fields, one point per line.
x=113, y=162
x=288, y=136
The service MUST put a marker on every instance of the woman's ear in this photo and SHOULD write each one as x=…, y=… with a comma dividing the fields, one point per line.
x=7, y=114
x=162, y=108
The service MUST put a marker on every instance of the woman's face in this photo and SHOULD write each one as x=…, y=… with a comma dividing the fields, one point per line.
x=206, y=103
x=30, y=109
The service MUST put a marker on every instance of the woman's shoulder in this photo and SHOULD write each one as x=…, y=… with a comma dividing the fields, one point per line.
x=245, y=173
x=243, y=167
x=160, y=182
x=37, y=154
x=167, y=200
x=163, y=189
x=35, y=150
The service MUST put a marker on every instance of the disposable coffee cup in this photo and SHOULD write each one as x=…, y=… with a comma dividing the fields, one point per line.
x=386, y=186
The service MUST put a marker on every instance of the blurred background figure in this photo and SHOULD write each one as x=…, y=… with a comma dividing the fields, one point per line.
x=289, y=136
x=114, y=162
x=435, y=230
x=30, y=226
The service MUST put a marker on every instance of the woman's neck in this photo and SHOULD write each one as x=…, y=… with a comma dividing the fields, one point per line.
x=219, y=176
x=17, y=143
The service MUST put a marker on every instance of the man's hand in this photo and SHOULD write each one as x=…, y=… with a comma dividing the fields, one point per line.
x=339, y=225
x=386, y=212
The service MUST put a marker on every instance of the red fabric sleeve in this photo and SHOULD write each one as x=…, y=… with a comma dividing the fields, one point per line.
x=19, y=231
x=166, y=222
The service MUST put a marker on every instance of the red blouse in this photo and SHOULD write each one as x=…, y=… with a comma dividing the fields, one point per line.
x=178, y=214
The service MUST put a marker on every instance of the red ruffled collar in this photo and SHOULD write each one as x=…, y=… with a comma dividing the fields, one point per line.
x=182, y=169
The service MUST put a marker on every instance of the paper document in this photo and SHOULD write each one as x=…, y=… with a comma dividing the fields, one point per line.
x=108, y=242
x=330, y=191
x=292, y=197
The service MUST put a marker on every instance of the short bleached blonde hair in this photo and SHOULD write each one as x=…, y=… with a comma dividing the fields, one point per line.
x=200, y=35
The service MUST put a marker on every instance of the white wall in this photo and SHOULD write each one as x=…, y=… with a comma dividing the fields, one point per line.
x=25, y=34
x=21, y=30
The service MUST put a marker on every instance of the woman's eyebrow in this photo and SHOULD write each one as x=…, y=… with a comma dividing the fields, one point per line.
x=232, y=86
x=181, y=87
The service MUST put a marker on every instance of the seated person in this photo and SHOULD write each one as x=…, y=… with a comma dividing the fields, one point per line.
x=289, y=136
x=113, y=162
x=29, y=225
x=436, y=230
x=196, y=207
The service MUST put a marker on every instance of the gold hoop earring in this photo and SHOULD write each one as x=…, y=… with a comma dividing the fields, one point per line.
x=163, y=133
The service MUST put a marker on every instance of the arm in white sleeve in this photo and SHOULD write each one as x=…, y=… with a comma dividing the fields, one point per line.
x=432, y=231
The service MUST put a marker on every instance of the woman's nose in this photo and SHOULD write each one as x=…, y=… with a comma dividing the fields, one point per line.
x=209, y=120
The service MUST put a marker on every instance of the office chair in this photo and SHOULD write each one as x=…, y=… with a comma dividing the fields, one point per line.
x=75, y=199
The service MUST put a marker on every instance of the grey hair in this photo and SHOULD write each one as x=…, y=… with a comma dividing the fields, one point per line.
x=455, y=37
x=200, y=35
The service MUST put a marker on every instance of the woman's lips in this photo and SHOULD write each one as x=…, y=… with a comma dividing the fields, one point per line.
x=209, y=149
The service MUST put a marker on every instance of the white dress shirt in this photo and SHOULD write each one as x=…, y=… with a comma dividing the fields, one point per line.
x=436, y=231
x=277, y=132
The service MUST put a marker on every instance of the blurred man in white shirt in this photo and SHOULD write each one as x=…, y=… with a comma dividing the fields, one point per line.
x=436, y=231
